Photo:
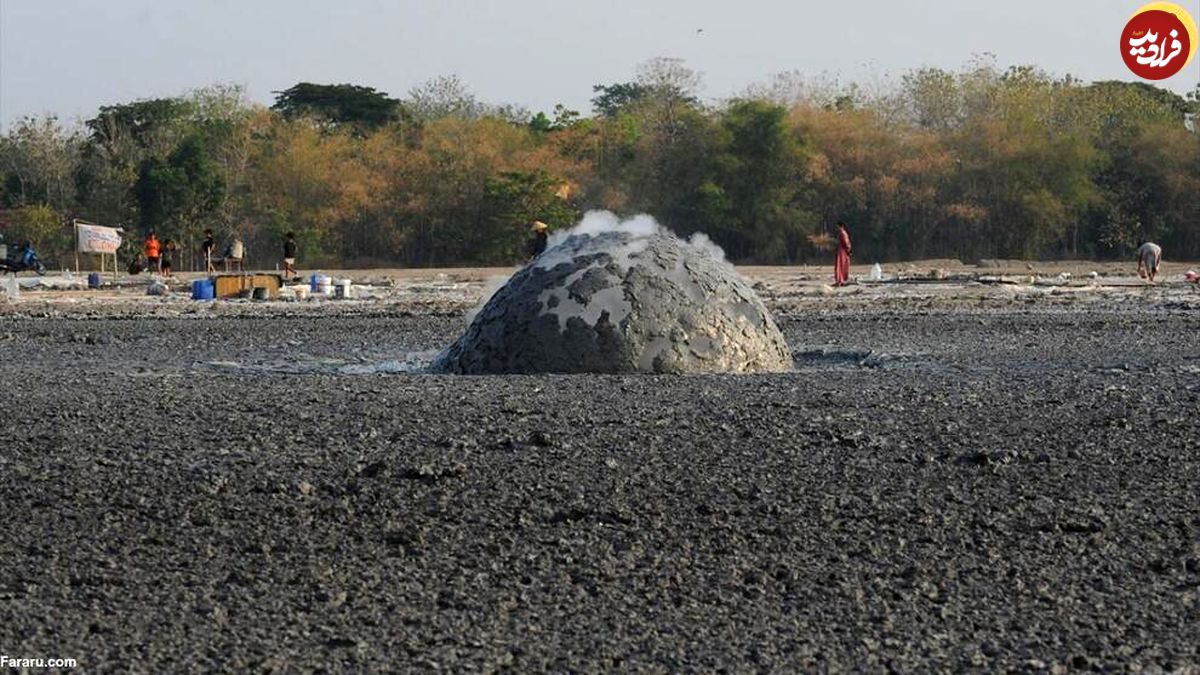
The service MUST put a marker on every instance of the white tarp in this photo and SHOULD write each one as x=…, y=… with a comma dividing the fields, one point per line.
x=97, y=238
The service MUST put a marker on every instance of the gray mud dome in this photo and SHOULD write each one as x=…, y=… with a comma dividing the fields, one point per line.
x=617, y=302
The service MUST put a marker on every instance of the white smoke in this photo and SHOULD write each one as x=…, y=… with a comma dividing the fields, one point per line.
x=640, y=226
x=490, y=286
x=700, y=241
x=597, y=222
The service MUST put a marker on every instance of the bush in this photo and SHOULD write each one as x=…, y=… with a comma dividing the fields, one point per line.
x=50, y=234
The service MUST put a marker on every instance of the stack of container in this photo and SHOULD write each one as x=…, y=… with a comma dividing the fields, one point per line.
x=321, y=284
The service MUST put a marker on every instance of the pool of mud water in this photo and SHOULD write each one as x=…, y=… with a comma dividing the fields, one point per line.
x=957, y=476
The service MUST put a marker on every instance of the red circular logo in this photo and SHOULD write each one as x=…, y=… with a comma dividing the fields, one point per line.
x=1155, y=44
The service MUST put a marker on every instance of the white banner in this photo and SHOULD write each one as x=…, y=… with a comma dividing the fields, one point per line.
x=96, y=238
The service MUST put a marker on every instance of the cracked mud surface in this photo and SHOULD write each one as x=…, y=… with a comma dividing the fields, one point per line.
x=946, y=488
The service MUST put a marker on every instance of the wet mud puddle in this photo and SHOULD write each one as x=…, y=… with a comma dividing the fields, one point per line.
x=830, y=357
x=805, y=358
x=305, y=364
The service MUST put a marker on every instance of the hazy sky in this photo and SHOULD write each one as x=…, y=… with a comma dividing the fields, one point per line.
x=71, y=56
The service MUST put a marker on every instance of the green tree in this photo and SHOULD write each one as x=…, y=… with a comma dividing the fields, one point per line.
x=179, y=192
x=975, y=162
x=563, y=118
x=933, y=99
x=513, y=200
x=760, y=173
x=120, y=138
x=151, y=123
x=612, y=99
x=38, y=159
x=45, y=228
x=671, y=159
x=357, y=106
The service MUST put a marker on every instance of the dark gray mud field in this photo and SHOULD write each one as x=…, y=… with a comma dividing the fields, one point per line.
x=935, y=489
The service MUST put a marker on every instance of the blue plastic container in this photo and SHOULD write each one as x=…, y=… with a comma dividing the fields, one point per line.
x=94, y=280
x=202, y=289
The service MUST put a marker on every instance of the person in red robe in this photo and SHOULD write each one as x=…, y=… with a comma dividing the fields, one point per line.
x=841, y=264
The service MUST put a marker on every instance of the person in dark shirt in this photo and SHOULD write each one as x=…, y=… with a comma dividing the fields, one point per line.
x=289, y=256
x=166, y=257
x=540, y=236
x=207, y=248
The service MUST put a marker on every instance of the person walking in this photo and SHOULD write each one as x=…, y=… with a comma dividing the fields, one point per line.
x=1149, y=257
x=841, y=263
x=153, y=251
x=289, y=256
x=207, y=247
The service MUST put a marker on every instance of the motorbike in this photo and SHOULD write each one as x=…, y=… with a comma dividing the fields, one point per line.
x=22, y=263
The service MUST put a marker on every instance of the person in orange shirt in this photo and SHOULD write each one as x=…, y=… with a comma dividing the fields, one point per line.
x=153, y=251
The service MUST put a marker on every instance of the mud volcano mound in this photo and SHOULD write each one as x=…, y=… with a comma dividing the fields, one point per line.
x=621, y=302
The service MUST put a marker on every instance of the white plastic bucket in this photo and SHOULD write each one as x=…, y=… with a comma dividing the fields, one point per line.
x=342, y=289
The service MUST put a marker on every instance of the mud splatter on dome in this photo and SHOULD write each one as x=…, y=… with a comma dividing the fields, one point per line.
x=621, y=301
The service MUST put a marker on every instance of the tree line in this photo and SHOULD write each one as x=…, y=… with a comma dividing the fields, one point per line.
x=975, y=163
